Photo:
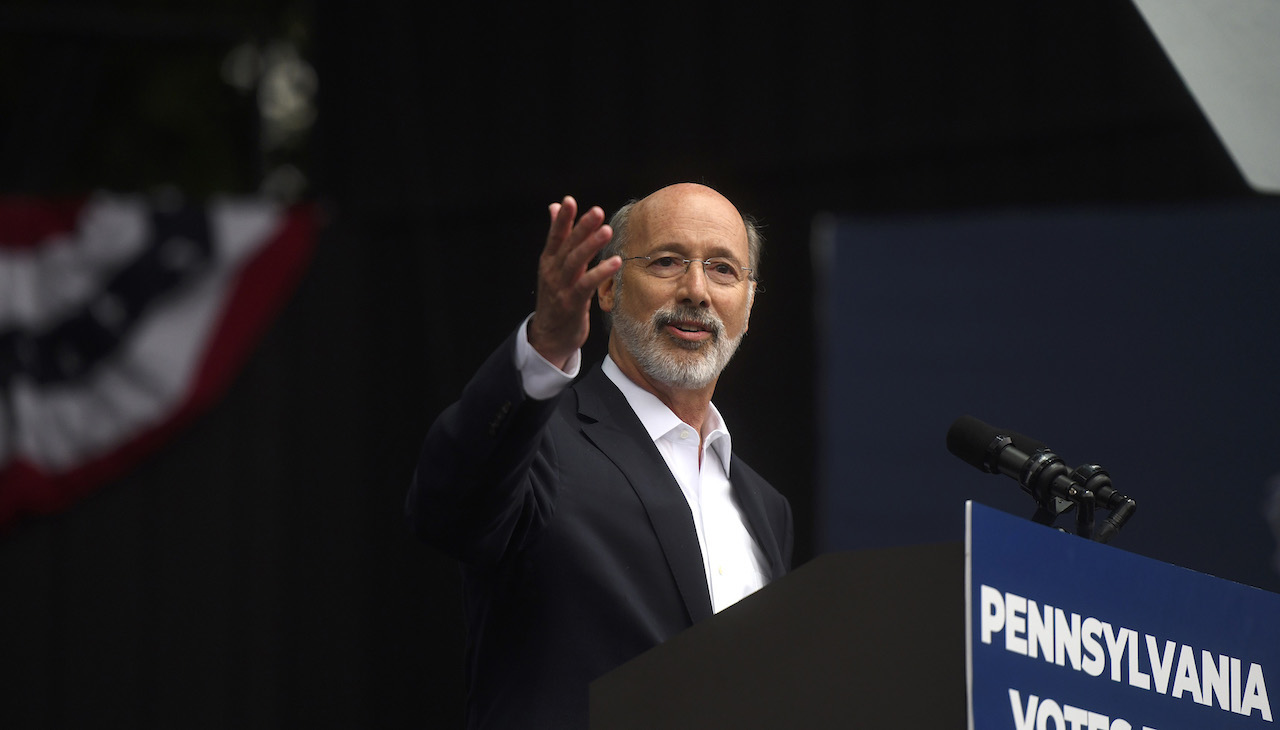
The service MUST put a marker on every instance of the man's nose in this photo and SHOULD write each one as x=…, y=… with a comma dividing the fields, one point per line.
x=693, y=284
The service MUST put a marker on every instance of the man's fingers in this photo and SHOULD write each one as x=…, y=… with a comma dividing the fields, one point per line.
x=565, y=283
x=587, y=225
x=598, y=274
x=562, y=215
x=571, y=245
x=576, y=258
x=570, y=248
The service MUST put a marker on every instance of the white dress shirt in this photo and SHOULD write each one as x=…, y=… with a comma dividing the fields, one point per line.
x=733, y=562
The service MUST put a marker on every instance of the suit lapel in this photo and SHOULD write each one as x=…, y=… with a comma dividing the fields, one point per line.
x=751, y=502
x=608, y=421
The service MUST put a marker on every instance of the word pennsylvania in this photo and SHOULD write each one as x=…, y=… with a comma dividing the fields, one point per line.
x=1093, y=646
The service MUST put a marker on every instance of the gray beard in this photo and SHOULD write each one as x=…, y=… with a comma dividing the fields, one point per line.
x=689, y=365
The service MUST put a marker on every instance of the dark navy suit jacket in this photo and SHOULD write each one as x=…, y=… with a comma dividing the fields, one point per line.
x=578, y=548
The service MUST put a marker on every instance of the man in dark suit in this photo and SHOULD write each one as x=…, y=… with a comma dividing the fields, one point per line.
x=596, y=519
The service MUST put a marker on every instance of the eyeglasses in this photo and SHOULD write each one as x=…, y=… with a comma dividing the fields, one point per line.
x=718, y=270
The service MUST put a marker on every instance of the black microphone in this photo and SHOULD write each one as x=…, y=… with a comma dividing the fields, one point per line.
x=1041, y=473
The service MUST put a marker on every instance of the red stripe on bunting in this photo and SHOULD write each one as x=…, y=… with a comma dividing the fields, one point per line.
x=28, y=222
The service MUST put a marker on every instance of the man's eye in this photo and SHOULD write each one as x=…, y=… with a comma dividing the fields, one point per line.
x=663, y=262
x=723, y=267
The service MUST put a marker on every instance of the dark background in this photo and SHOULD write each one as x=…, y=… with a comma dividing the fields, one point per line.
x=1131, y=337
x=257, y=572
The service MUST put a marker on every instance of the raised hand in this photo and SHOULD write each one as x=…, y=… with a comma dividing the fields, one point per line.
x=562, y=318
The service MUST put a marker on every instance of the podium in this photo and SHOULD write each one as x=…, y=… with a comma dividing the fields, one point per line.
x=1020, y=627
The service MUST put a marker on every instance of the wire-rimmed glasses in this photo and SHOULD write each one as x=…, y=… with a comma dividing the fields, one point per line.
x=719, y=270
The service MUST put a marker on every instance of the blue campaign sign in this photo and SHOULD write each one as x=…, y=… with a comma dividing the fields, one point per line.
x=1069, y=634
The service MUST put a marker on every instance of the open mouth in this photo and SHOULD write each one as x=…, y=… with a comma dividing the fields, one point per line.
x=688, y=333
x=687, y=330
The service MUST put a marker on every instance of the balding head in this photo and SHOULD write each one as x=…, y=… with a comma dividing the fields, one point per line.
x=629, y=221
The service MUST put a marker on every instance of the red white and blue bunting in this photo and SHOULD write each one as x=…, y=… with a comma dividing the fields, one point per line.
x=121, y=317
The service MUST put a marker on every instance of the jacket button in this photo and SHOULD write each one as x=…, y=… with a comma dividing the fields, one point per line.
x=501, y=416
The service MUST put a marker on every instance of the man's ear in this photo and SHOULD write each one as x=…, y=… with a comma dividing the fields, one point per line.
x=605, y=294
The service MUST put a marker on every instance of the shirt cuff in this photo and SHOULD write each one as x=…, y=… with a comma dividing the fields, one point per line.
x=541, y=379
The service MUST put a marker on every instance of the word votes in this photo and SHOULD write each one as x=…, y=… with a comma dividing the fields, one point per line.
x=1096, y=647
x=1039, y=713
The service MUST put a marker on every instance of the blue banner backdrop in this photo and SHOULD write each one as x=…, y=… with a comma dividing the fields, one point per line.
x=1147, y=341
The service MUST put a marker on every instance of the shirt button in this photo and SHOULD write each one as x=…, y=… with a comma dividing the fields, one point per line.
x=684, y=434
x=721, y=569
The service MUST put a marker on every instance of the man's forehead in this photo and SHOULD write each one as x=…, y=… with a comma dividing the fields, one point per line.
x=690, y=211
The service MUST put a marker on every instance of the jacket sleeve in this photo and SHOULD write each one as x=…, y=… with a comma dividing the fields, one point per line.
x=484, y=481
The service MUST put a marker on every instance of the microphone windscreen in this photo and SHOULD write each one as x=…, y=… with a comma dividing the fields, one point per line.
x=969, y=439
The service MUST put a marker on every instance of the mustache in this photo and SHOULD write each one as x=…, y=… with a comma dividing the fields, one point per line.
x=675, y=315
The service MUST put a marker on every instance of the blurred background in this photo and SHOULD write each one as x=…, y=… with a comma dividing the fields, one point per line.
x=248, y=565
